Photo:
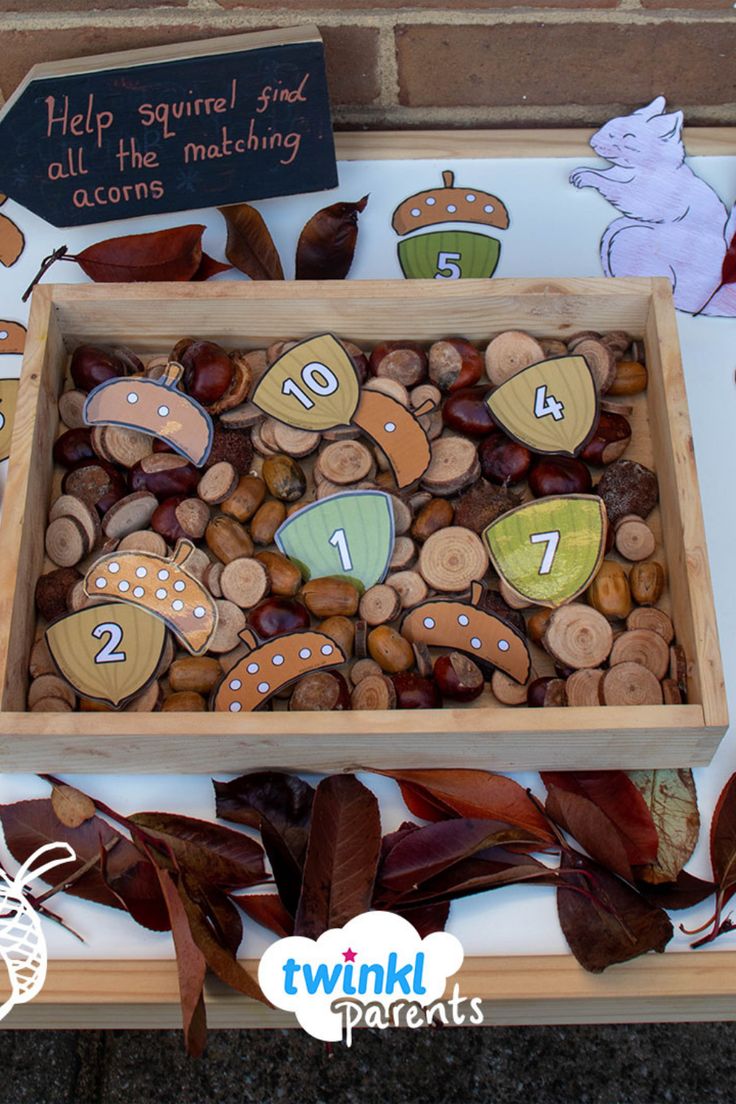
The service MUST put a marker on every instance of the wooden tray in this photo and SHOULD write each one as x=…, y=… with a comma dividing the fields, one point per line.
x=151, y=318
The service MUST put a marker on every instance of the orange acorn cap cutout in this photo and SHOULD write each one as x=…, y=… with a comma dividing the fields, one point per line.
x=449, y=204
x=269, y=667
x=156, y=407
x=315, y=386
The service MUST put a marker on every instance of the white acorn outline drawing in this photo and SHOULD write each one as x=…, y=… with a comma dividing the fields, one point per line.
x=22, y=941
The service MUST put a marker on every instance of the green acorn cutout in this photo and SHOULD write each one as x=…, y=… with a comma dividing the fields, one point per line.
x=449, y=253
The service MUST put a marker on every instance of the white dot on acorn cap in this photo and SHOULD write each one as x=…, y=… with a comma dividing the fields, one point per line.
x=503, y=645
x=177, y=605
x=263, y=687
x=326, y=649
x=430, y=201
x=163, y=411
x=252, y=668
x=141, y=572
x=470, y=198
x=101, y=583
x=161, y=594
x=451, y=208
x=428, y=622
x=180, y=585
x=235, y=684
x=113, y=568
x=138, y=592
x=132, y=397
x=488, y=208
x=163, y=573
x=305, y=653
x=475, y=642
x=389, y=427
x=235, y=707
x=463, y=619
x=123, y=585
x=416, y=212
x=277, y=660
x=199, y=611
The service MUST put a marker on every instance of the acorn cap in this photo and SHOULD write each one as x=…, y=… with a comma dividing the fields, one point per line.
x=449, y=204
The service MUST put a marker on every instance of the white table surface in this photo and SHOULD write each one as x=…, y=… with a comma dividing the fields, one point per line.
x=554, y=231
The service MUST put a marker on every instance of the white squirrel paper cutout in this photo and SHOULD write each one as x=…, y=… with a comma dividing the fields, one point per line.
x=674, y=224
x=22, y=942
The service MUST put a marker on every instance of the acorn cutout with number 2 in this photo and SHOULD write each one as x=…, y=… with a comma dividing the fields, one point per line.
x=314, y=386
x=550, y=407
x=156, y=407
x=269, y=667
x=548, y=551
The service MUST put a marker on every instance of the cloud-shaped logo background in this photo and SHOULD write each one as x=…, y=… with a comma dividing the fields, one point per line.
x=376, y=957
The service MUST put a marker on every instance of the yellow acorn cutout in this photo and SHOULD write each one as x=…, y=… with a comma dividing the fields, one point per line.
x=549, y=551
x=315, y=386
x=551, y=407
x=109, y=652
x=447, y=252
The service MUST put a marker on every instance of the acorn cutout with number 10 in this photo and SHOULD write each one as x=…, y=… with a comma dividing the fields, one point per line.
x=548, y=551
x=550, y=407
x=314, y=386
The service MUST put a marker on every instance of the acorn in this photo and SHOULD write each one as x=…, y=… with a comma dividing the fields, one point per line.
x=449, y=253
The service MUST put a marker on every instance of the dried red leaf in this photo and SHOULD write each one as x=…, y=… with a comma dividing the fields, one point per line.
x=590, y=826
x=683, y=893
x=728, y=269
x=673, y=803
x=219, y=910
x=207, y=851
x=475, y=875
x=191, y=967
x=723, y=838
x=209, y=267
x=266, y=909
x=426, y=918
x=173, y=254
x=250, y=246
x=139, y=892
x=342, y=856
x=620, y=800
x=469, y=793
x=604, y=920
x=327, y=243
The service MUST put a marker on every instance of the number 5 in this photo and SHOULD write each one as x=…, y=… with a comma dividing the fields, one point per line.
x=447, y=269
x=551, y=540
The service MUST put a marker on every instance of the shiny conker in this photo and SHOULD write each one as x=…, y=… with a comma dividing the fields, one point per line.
x=503, y=460
x=466, y=412
x=415, y=692
x=276, y=616
x=559, y=475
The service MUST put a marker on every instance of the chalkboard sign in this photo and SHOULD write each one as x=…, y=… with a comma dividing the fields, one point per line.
x=170, y=129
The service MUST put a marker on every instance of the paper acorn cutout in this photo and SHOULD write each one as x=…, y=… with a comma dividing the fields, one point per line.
x=466, y=628
x=8, y=402
x=108, y=652
x=449, y=254
x=270, y=667
x=551, y=407
x=162, y=586
x=154, y=406
x=314, y=386
x=549, y=550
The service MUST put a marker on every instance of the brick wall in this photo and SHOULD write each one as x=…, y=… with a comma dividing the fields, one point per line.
x=433, y=63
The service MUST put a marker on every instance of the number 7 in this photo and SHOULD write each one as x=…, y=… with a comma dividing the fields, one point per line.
x=551, y=539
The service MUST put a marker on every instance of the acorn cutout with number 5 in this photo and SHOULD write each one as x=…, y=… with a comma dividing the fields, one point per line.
x=548, y=551
x=269, y=667
x=314, y=386
x=550, y=407
x=109, y=652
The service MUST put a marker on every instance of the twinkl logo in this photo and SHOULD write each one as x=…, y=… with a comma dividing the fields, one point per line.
x=376, y=970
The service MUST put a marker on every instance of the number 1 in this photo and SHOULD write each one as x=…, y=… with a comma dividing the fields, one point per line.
x=339, y=541
x=551, y=540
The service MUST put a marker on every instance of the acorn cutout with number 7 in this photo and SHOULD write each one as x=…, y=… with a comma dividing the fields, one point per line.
x=548, y=551
x=550, y=407
x=269, y=667
x=314, y=386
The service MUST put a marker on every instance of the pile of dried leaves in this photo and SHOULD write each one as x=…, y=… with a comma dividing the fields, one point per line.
x=612, y=844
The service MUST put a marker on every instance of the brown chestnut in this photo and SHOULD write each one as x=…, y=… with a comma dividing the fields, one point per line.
x=458, y=677
x=97, y=482
x=164, y=474
x=503, y=460
x=208, y=370
x=559, y=475
x=320, y=691
x=276, y=616
x=165, y=522
x=466, y=412
x=546, y=691
x=403, y=361
x=73, y=446
x=415, y=692
x=455, y=364
x=609, y=441
x=93, y=364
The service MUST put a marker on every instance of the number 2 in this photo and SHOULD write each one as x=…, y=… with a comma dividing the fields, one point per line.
x=339, y=541
x=114, y=634
x=551, y=539
x=447, y=268
x=317, y=378
x=545, y=404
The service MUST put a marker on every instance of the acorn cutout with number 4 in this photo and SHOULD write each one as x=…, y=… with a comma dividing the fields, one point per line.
x=314, y=386
x=109, y=652
x=269, y=667
x=550, y=407
x=156, y=407
x=163, y=586
x=548, y=551
x=462, y=626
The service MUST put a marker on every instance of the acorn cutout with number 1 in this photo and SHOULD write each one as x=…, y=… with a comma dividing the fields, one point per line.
x=548, y=551
x=314, y=386
x=550, y=407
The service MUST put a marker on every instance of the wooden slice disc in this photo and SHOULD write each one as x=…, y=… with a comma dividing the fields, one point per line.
x=71, y=406
x=129, y=514
x=120, y=445
x=193, y=516
x=230, y=624
x=423, y=659
x=50, y=705
x=144, y=540
x=678, y=667
x=379, y=604
x=634, y=539
x=148, y=701
x=244, y=581
x=454, y=463
x=51, y=686
x=374, y=692
x=630, y=684
x=583, y=687
x=423, y=394
x=67, y=505
x=601, y=361
x=258, y=441
x=344, y=462
x=402, y=515
x=66, y=541
x=643, y=646
x=649, y=617
x=512, y=598
x=671, y=692
x=361, y=639
x=218, y=483
x=362, y=668
x=578, y=636
x=41, y=662
x=245, y=416
x=410, y=587
x=78, y=599
x=509, y=353
x=506, y=690
x=453, y=558
x=268, y=429
x=391, y=387
x=403, y=554
x=295, y=442
x=212, y=577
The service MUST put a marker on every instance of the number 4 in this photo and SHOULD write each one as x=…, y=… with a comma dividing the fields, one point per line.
x=545, y=404
x=551, y=540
